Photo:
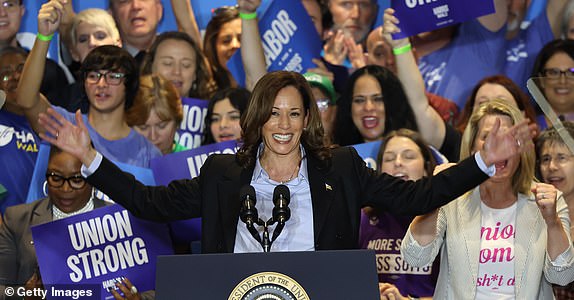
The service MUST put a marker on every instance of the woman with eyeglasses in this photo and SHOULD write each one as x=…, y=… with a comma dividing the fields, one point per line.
x=68, y=194
x=554, y=68
x=556, y=166
x=110, y=77
x=223, y=115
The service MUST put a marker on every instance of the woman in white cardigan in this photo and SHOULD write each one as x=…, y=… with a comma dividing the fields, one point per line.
x=508, y=238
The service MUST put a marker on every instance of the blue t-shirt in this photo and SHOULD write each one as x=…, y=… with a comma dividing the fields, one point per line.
x=473, y=53
x=18, y=152
x=134, y=149
x=521, y=51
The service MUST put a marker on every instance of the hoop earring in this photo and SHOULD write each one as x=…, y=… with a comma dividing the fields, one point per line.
x=44, y=190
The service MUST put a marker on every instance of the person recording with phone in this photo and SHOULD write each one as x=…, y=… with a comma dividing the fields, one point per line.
x=283, y=143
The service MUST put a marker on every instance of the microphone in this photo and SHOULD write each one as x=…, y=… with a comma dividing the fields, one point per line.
x=281, y=211
x=281, y=198
x=248, y=212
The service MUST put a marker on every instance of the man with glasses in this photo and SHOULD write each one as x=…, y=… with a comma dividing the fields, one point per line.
x=137, y=21
x=325, y=97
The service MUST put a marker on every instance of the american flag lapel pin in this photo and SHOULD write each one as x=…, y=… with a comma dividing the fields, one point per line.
x=328, y=187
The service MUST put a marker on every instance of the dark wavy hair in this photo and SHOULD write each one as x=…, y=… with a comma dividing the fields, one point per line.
x=203, y=87
x=521, y=98
x=113, y=58
x=259, y=111
x=398, y=113
x=549, y=50
x=221, y=75
x=238, y=97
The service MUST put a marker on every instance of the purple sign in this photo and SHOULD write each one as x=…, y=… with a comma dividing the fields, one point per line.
x=100, y=248
x=418, y=16
x=186, y=165
x=190, y=131
x=289, y=41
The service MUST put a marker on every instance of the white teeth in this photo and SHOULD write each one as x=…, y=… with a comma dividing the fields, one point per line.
x=283, y=137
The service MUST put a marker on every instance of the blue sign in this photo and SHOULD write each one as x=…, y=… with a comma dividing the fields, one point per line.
x=100, y=248
x=190, y=130
x=368, y=152
x=418, y=16
x=289, y=41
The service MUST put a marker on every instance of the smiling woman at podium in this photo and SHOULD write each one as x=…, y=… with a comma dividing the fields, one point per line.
x=283, y=144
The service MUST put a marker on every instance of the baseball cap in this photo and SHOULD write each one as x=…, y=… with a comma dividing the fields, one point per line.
x=323, y=83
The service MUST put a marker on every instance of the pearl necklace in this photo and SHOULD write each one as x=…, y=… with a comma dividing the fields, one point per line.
x=58, y=214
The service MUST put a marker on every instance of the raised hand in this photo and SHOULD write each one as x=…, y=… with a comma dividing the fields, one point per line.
x=248, y=6
x=545, y=196
x=500, y=146
x=389, y=292
x=390, y=26
x=335, y=48
x=50, y=16
x=63, y=134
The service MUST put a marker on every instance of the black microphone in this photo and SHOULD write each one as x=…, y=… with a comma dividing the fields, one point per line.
x=281, y=198
x=281, y=211
x=248, y=212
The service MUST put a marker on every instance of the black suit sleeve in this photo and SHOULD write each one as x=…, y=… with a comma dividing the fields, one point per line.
x=395, y=195
x=179, y=200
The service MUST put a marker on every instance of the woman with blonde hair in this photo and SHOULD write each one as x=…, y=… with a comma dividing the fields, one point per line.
x=507, y=238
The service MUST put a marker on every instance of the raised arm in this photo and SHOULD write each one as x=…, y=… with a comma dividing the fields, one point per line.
x=554, y=10
x=431, y=126
x=28, y=93
x=66, y=24
x=251, y=45
x=185, y=18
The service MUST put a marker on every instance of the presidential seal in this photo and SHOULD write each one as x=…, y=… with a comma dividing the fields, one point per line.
x=268, y=286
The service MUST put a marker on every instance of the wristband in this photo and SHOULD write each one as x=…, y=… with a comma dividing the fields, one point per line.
x=247, y=16
x=403, y=49
x=45, y=38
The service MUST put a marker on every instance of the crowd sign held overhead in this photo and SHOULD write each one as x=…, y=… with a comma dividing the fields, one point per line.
x=190, y=131
x=99, y=247
x=289, y=40
x=426, y=15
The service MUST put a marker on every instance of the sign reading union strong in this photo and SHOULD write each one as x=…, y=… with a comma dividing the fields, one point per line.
x=268, y=286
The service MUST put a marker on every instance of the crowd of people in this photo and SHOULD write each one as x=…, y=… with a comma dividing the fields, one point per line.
x=468, y=165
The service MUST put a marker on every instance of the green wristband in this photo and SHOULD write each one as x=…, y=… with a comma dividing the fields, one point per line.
x=403, y=49
x=249, y=16
x=45, y=38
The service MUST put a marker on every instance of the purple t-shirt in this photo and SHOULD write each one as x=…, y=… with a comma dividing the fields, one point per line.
x=134, y=149
x=384, y=234
x=18, y=151
x=473, y=53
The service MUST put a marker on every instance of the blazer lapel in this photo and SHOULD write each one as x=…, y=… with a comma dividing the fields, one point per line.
x=527, y=220
x=42, y=213
x=228, y=195
x=470, y=218
x=323, y=191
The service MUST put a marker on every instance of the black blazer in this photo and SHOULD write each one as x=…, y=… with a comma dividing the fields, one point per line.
x=338, y=190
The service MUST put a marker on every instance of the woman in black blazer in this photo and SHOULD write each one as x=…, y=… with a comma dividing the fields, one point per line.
x=282, y=144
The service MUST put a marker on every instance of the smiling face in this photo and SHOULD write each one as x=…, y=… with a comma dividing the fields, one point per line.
x=225, y=121
x=89, y=37
x=137, y=19
x=282, y=132
x=228, y=41
x=11, y=65
x=65, y=197
x=160, y=132
x=504, y=170
x=368, y=108
x=10, y=19
x=175, y=60
x=354, y=17
x=403, y=158
x=560, y=91
x=557, y=167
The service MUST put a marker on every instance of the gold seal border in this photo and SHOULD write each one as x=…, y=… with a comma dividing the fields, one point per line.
x=263, y=278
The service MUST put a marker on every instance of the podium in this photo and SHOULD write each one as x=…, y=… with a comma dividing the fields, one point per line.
x=342, y=274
